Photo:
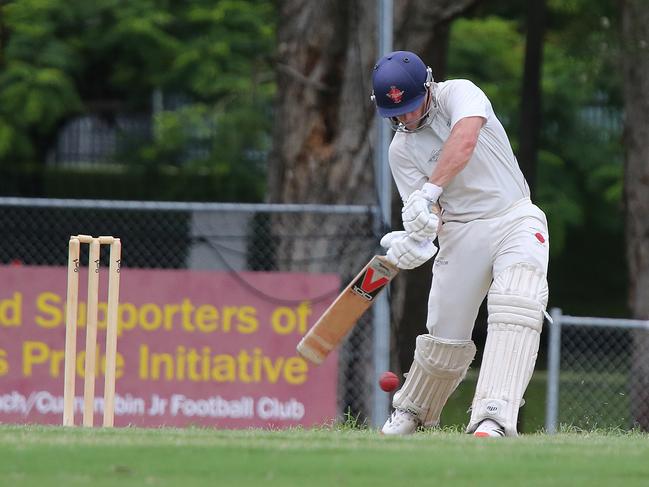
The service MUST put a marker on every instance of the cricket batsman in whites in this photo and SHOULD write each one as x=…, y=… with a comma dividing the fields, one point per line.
x=460, y=182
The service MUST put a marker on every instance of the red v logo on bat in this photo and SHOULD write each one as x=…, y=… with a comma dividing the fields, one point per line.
x=369, y=284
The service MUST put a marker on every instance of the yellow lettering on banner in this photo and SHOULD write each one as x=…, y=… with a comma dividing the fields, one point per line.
x=49, y=304
x=273, y=369
x=57, y=359
x=170, y=310
x=119, y=365
x=243, y=359
x=102, y=315
x=226, y=317
x=257, y=358
x=248, y=322
x=285, y=320
x=224, y=368
x=11, y=310
x=187, y=308
x=82, y=314
x=205, y=363
x=80, y=364
x=4, y=363
x=143, y=369
x=180, y=363
x=206, y=318
x=200, y=365
x=192, y=360
x=150, y=317
x=303, y=313
x=162, y=359
x=127, y=317
x=37, y=354
x=34, y=353
x=295, y=370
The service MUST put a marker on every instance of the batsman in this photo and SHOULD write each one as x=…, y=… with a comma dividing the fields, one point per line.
x=451, y=152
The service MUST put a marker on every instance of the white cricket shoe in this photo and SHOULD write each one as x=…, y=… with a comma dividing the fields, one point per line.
x=400, y=422
x=489, y=428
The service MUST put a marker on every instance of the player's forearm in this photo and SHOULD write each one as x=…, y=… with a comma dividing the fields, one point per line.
x=453, y=159
x=457, y=150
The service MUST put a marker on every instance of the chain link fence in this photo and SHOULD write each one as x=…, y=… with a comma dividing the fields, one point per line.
x=595, y=373
x=213, y=236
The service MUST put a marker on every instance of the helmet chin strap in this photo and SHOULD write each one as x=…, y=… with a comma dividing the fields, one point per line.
x=429, y=114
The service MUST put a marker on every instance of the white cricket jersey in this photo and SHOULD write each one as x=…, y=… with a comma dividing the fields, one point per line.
x=489, y=184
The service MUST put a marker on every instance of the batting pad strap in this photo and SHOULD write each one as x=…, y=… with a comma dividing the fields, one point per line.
x=518, y=296
x=517, y=299
x=437, y=369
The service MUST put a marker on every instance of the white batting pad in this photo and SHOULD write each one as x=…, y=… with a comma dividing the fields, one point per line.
x=517, y=301
x=437, y=369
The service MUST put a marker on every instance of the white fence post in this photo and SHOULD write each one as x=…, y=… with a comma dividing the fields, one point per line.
x=554, y=353
x=554, y=364
x=381, y=400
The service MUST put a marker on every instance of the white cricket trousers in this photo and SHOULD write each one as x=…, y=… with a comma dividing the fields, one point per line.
x=471, y=255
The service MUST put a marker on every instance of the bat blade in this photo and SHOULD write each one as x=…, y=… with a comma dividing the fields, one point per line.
x=341, y=316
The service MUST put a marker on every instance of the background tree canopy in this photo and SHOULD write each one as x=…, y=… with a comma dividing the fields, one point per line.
x=201, y=72
x=579, y=180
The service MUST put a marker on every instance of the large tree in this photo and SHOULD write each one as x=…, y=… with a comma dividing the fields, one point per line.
x=635, y=42
x=323, y=132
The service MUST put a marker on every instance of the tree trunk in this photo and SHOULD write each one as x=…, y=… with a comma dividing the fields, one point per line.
x=635, y=42
x=323, y=115
x=324, y=121
x=531, y=92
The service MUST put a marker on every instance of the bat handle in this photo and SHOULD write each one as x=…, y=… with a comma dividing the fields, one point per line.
x=384, y=260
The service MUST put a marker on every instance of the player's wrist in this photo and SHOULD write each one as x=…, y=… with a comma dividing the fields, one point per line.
x=431, y=191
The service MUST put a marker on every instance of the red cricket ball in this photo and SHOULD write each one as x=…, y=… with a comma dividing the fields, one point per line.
x=388, y=381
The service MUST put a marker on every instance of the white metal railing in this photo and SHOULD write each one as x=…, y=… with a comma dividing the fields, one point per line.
x=559, y=320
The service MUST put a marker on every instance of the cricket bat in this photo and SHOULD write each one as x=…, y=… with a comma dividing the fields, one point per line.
x=341, y=316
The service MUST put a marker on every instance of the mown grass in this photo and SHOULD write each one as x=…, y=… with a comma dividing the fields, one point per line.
x=328, y=456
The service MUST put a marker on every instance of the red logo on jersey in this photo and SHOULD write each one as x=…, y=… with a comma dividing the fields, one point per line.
x=539, y=237
x=395, y=94
x=369, y=284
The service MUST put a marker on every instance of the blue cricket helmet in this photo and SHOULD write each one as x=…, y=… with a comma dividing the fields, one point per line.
x=400, y=81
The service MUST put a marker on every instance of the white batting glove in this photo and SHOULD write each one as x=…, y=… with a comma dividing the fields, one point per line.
x=419, y=220
x=406, y=252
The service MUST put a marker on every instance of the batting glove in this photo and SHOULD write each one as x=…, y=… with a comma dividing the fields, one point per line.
x=419, y=219
x=406, y=252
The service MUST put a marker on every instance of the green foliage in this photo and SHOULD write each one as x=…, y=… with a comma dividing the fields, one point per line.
x=37, y=97
x=560, y=198
x=489, y=51
x=579, y=164
x=580, y=170
x=231, y=54
x=107, y=57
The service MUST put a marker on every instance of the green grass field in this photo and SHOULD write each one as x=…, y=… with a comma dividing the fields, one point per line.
x=339, y=456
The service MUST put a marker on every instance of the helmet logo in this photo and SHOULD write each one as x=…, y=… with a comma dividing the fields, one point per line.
x=395, y=94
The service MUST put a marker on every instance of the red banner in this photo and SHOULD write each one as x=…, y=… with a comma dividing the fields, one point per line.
x=194, y=348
